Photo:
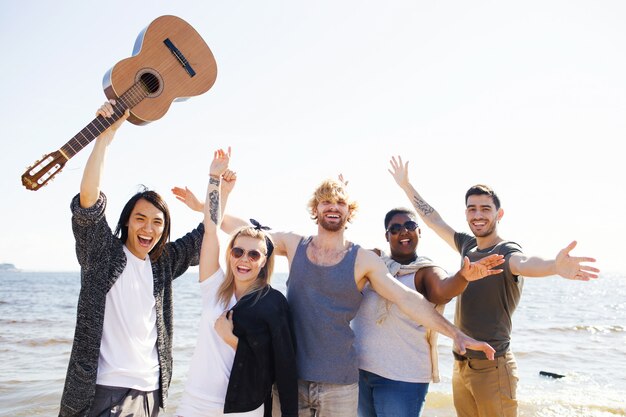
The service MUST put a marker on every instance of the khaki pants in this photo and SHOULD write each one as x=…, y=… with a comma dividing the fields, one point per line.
x=484, y=388
x=322, y=399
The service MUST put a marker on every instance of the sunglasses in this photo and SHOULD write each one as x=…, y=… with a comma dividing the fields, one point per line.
x=395, y=228
x=253, y=255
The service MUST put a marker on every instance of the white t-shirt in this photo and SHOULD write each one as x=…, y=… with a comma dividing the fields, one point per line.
x=388, y=342
x=128, y=352
x=209, y=370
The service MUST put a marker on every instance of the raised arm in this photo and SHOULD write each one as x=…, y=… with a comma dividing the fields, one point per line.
x=209, y=253
x=285, y=243
x=228, y=180
x=567, y=266
x=430, y=216
x=414, y=305
x=92, y=174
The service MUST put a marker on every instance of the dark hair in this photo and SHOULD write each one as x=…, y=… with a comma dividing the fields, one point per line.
x=399, y=210
x=481, y=189
x=157, y=201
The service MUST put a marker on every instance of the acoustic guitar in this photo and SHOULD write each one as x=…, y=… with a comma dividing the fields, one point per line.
x=170, y=62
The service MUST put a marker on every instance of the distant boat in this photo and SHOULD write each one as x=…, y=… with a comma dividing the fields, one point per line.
x=8, y=268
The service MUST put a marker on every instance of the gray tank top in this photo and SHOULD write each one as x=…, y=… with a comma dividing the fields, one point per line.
x=323, y=301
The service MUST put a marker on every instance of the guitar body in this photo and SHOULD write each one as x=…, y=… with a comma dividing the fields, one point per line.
x=170, y=62
x=153, y=60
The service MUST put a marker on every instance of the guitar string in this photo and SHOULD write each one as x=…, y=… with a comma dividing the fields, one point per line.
x=129, y=99
x=136, y=93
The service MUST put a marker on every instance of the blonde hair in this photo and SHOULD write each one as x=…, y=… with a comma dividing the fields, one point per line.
x=227, y=289
x=331, y=190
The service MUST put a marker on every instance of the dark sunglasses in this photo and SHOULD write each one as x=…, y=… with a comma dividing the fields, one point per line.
x=395, y=228
x=253, y=255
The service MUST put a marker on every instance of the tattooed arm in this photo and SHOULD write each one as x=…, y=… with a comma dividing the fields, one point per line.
x=429, y=215
x=209, y=253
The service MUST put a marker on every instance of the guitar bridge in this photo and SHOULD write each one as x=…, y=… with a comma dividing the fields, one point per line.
x=180, y=57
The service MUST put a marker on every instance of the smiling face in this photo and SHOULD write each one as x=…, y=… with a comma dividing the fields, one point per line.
x=402, y=245
x=145, y=228
x=332, y=215
x=331, y=207
x=482, y=216
x=244, y=269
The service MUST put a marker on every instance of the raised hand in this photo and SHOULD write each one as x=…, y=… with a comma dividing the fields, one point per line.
x=571, y=267
x=106, y=110
x=229, y=178
x=399, y=171
x=220, y=162
x=189, y=198
x=473, y=271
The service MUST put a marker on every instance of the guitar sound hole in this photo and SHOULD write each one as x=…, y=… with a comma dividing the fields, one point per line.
x=151, y=82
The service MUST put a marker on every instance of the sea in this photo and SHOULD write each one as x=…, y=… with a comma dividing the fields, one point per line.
x=570, y=328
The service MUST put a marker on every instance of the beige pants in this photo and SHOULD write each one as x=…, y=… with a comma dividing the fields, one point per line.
x=484, y=388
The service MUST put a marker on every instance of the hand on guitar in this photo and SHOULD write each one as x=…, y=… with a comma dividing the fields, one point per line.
x=107, y=111
x=92, y=175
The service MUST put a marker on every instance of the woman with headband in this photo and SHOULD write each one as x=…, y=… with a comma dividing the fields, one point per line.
x=245, y=343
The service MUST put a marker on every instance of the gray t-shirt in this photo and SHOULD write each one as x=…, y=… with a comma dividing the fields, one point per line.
x=323, y=301
x=485, y=309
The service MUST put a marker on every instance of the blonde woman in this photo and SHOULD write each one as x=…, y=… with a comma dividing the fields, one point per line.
x=245, y=343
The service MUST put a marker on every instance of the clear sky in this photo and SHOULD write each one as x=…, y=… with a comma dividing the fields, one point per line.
x=528, y=97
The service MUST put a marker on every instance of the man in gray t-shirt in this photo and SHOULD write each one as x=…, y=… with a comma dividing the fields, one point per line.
x=483, y=387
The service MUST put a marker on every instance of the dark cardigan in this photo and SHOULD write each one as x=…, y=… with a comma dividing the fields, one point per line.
x=102, y=260
x=265, y=355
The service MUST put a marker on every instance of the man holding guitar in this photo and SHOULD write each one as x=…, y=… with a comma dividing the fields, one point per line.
x=121, y=358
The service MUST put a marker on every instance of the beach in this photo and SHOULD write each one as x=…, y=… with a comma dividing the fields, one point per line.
x=576, y=329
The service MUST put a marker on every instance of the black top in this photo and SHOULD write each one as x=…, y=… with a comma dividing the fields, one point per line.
x=265, y=355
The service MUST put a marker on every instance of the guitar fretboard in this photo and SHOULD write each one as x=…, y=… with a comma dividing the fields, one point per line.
x=128, y=100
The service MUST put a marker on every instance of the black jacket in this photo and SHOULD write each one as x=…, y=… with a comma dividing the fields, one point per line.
x=265, y=355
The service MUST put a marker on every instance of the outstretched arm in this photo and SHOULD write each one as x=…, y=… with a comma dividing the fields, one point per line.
x=430, y=216
x=414, y=305
x=209, y=253
x=283, y=241
x=570, y=267
x=92, y=175
x=228, y=180
x=440, y=288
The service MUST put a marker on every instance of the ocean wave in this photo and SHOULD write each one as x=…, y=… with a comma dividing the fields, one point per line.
x=42, y=342
x=566, y=410
x=599, y=329
x=593, y=329
x=28, y=321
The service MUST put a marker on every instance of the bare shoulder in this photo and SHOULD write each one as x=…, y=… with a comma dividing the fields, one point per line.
x=368, y=256
x=369, y=265
x=434, y=272
x=286, y=242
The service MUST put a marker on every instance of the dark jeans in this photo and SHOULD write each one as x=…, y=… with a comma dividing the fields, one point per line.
x=122, y=402
x=382, y=397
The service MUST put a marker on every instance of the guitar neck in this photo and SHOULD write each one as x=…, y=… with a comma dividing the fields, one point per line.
x=128, y=100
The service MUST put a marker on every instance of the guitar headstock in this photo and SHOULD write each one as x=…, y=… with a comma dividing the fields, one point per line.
x=43, y=170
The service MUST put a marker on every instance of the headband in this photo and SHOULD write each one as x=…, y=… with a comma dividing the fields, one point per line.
x=268, y=241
